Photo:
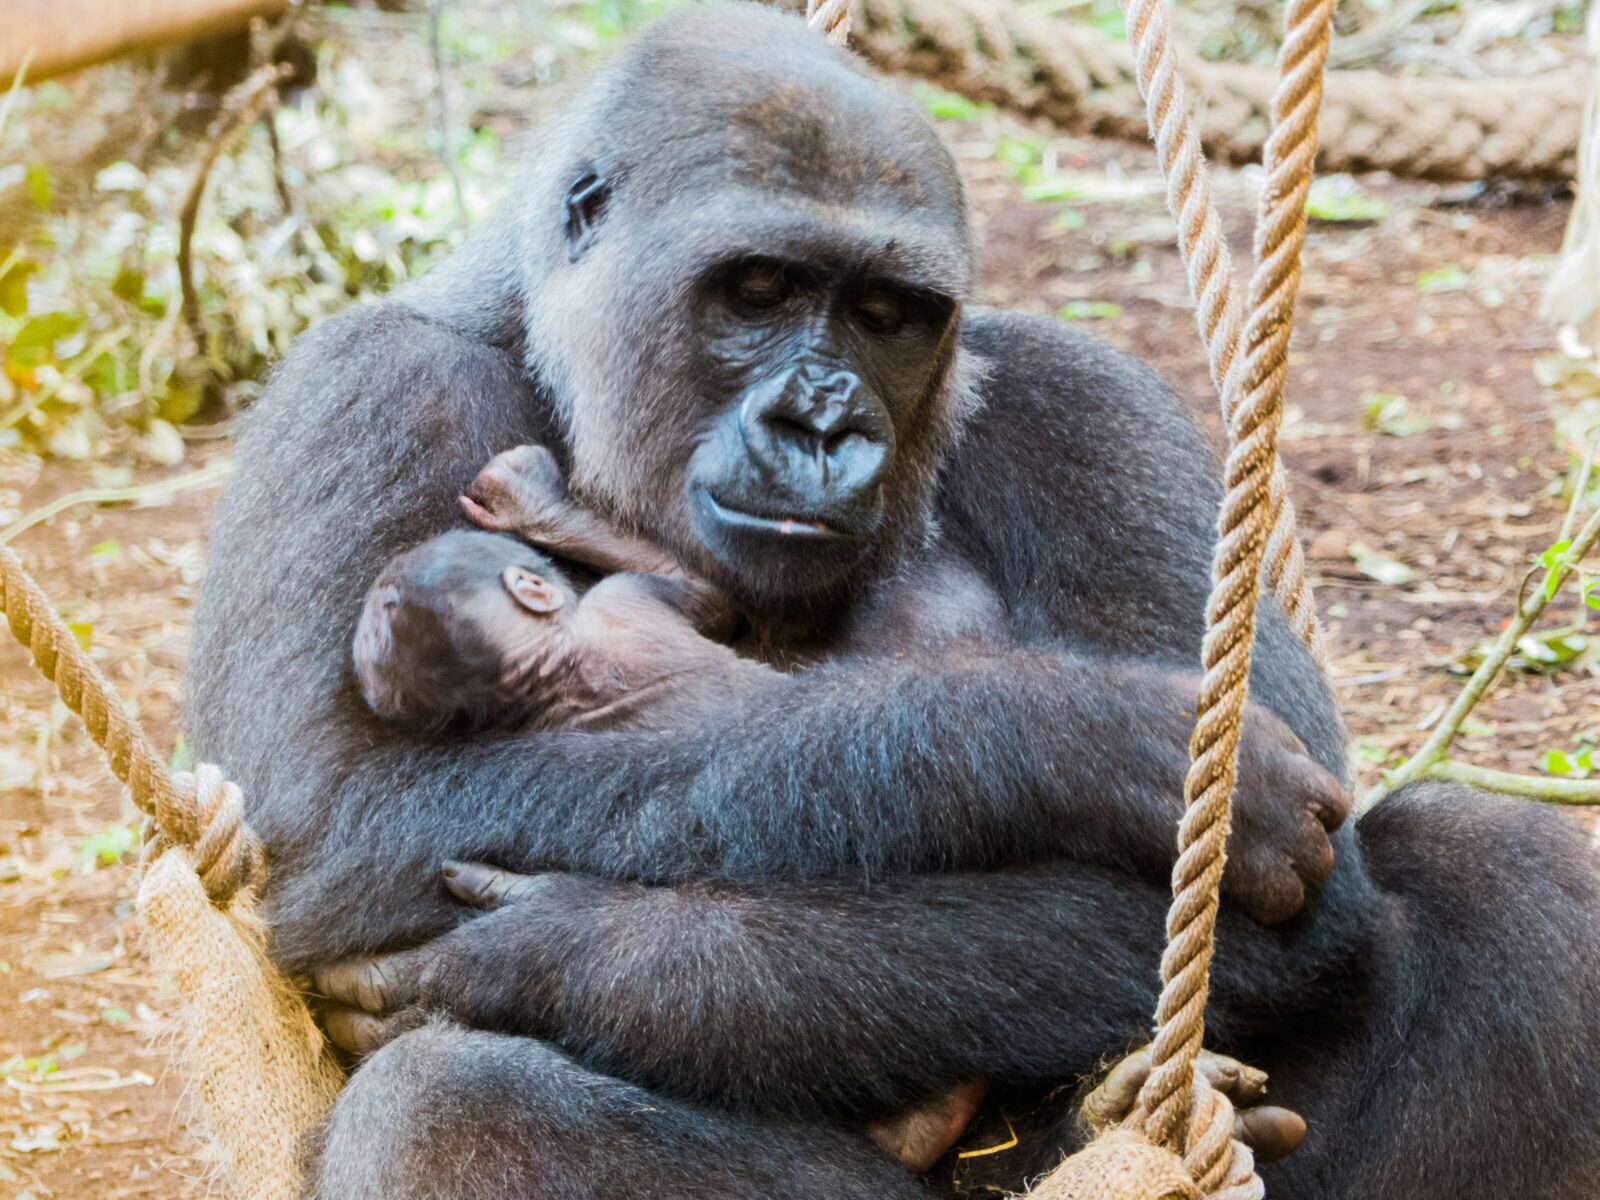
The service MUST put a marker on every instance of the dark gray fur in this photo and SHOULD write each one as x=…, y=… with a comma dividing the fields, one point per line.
x=891, y=873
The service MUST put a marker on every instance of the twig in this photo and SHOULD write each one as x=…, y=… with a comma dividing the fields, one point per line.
x=1533, y=787
x=17, y=81
x=209, y=474
x=239, y=109
x=447, y=141
x=1431, y=760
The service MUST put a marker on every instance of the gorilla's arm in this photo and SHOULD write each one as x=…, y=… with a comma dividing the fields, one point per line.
x=984, y=756
x=822, y=997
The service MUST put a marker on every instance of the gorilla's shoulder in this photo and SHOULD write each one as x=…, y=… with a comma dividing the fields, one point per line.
x=1040, y=364
x=1079, y=398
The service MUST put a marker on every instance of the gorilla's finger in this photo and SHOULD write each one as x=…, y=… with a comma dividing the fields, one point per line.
x=1240, y=1083
x=1114, y=1098
x=1321, y=792
x=1270, y=1132
x=1268, y=884
x=374, y=985
x=484, y=886
x=355, y=1031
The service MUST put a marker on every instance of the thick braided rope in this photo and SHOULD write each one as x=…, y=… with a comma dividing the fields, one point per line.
x=200, y=812
x=832, y=17
x=1077, y=78
x=1246, y=527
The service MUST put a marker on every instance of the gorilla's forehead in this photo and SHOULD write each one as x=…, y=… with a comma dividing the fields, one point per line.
x=718, y=98
x=920, y=248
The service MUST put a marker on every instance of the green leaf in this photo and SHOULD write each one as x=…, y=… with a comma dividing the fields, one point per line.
x=107, y=551
x=106, y=848
x=1377, y=566
x=40, y=333
x=1591, y=593
x=14, y=287
x=1554, y=554
x=1336, y=198
x=947, y=106
x=1451, y=277
x=1390, y=413
x=1557, y=763
x=41, y=187
x=115, y=1016
x=1089, y=310
x=1551, y=649
x=1051, y=188
x=128, y=284
x=82, y=633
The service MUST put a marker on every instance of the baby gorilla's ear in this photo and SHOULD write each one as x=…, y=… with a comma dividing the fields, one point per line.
x=532, y=590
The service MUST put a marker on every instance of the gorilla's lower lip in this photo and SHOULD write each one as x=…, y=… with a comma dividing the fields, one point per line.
x=802, y=528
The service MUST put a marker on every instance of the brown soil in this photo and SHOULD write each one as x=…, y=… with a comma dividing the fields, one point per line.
x=1465, y=503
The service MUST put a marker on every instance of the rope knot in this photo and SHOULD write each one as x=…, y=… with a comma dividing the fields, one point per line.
x=1123, y=1163
x=205, y=811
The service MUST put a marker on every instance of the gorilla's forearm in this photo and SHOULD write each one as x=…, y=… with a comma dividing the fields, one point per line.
x=829, y=998
x=963, y=760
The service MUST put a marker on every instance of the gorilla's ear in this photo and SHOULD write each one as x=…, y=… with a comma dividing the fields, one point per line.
x=585, y=207
x=532, y=591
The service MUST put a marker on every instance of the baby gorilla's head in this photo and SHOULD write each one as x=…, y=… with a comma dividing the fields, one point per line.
x=456, y=633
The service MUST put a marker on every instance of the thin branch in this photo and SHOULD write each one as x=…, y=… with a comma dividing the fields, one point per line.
x=447, y=140
x=239, y=110
x=1533, y=787
x=1530, y=606
x=17, y=81
x=212, y=473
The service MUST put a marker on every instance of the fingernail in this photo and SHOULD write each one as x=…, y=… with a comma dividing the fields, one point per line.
x=450, y=870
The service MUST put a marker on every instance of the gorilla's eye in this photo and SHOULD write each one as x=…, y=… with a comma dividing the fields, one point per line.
x=883, y=311
x=760, y=285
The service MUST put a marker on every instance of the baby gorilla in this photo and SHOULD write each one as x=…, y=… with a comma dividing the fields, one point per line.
x=475, y=630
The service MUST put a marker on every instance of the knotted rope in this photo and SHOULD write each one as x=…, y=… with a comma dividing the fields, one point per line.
x=200, y=812
x=1018, y=55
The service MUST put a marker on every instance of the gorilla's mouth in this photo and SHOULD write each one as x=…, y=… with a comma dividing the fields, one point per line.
x=795, y=527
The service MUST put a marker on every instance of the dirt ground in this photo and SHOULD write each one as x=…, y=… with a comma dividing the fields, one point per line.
x=1460, y=491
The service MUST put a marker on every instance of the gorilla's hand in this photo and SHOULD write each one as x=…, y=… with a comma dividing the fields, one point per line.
x=1284, y=808
x=374, y=998
x=1270, y=1132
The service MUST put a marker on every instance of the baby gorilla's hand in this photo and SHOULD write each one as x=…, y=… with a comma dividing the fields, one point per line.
x=520, y=492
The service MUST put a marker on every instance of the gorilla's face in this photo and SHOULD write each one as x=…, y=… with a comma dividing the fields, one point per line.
x=817, y=370
x=752, y=314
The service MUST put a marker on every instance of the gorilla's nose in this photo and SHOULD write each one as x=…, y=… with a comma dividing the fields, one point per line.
x=822, y=436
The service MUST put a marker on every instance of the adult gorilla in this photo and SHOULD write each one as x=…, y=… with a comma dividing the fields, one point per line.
x=729, y=294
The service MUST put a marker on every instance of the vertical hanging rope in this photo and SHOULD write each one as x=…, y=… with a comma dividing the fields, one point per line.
x=832, y=17
x=1253, y=506
x=1210, y=274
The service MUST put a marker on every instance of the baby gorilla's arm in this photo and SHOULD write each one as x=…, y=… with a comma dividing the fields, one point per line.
x=521, y=492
